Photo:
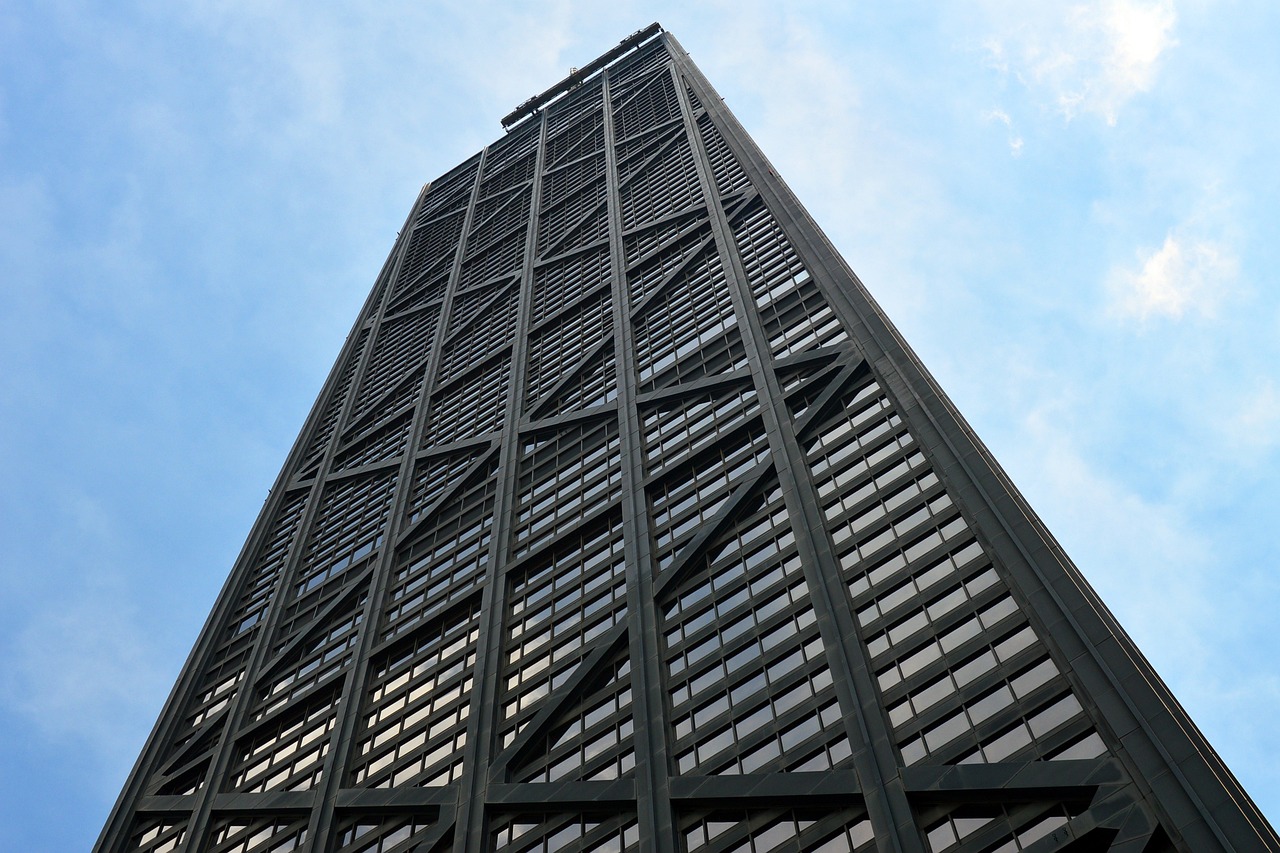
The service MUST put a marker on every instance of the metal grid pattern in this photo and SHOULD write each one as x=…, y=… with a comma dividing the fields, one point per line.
x=766, y=830
x=626, y=522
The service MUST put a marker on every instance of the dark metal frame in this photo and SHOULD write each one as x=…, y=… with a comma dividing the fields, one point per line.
x=1160, y=783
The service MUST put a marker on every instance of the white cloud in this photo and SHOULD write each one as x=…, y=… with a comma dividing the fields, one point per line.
x=1187, y=275
x=999, y=115
x=1092, y=57
x=874, y=187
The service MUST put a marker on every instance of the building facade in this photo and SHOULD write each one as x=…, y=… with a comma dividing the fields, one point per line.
x=626, y=521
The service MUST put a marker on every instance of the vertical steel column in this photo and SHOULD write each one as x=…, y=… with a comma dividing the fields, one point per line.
x=116, y=830
x=868, y=731
x=1122, y=690
x=470, y=831
x=198, y=827
x=653, y=794
x=320, y=827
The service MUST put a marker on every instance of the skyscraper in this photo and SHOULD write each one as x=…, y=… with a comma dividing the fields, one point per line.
x=627, y=521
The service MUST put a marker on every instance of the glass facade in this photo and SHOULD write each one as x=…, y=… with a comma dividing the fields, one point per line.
x=627, y=522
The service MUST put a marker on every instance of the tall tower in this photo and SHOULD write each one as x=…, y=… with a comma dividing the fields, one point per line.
x=626, y=521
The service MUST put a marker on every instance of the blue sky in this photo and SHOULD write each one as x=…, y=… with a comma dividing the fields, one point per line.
x=1069, y=210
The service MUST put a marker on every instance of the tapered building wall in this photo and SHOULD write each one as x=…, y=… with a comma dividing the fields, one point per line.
x=626, y=521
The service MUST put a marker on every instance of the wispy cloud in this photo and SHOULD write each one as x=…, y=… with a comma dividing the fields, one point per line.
x=1002, y=117
x=843, y=150
x=1087, y=58
x=1186, y=275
